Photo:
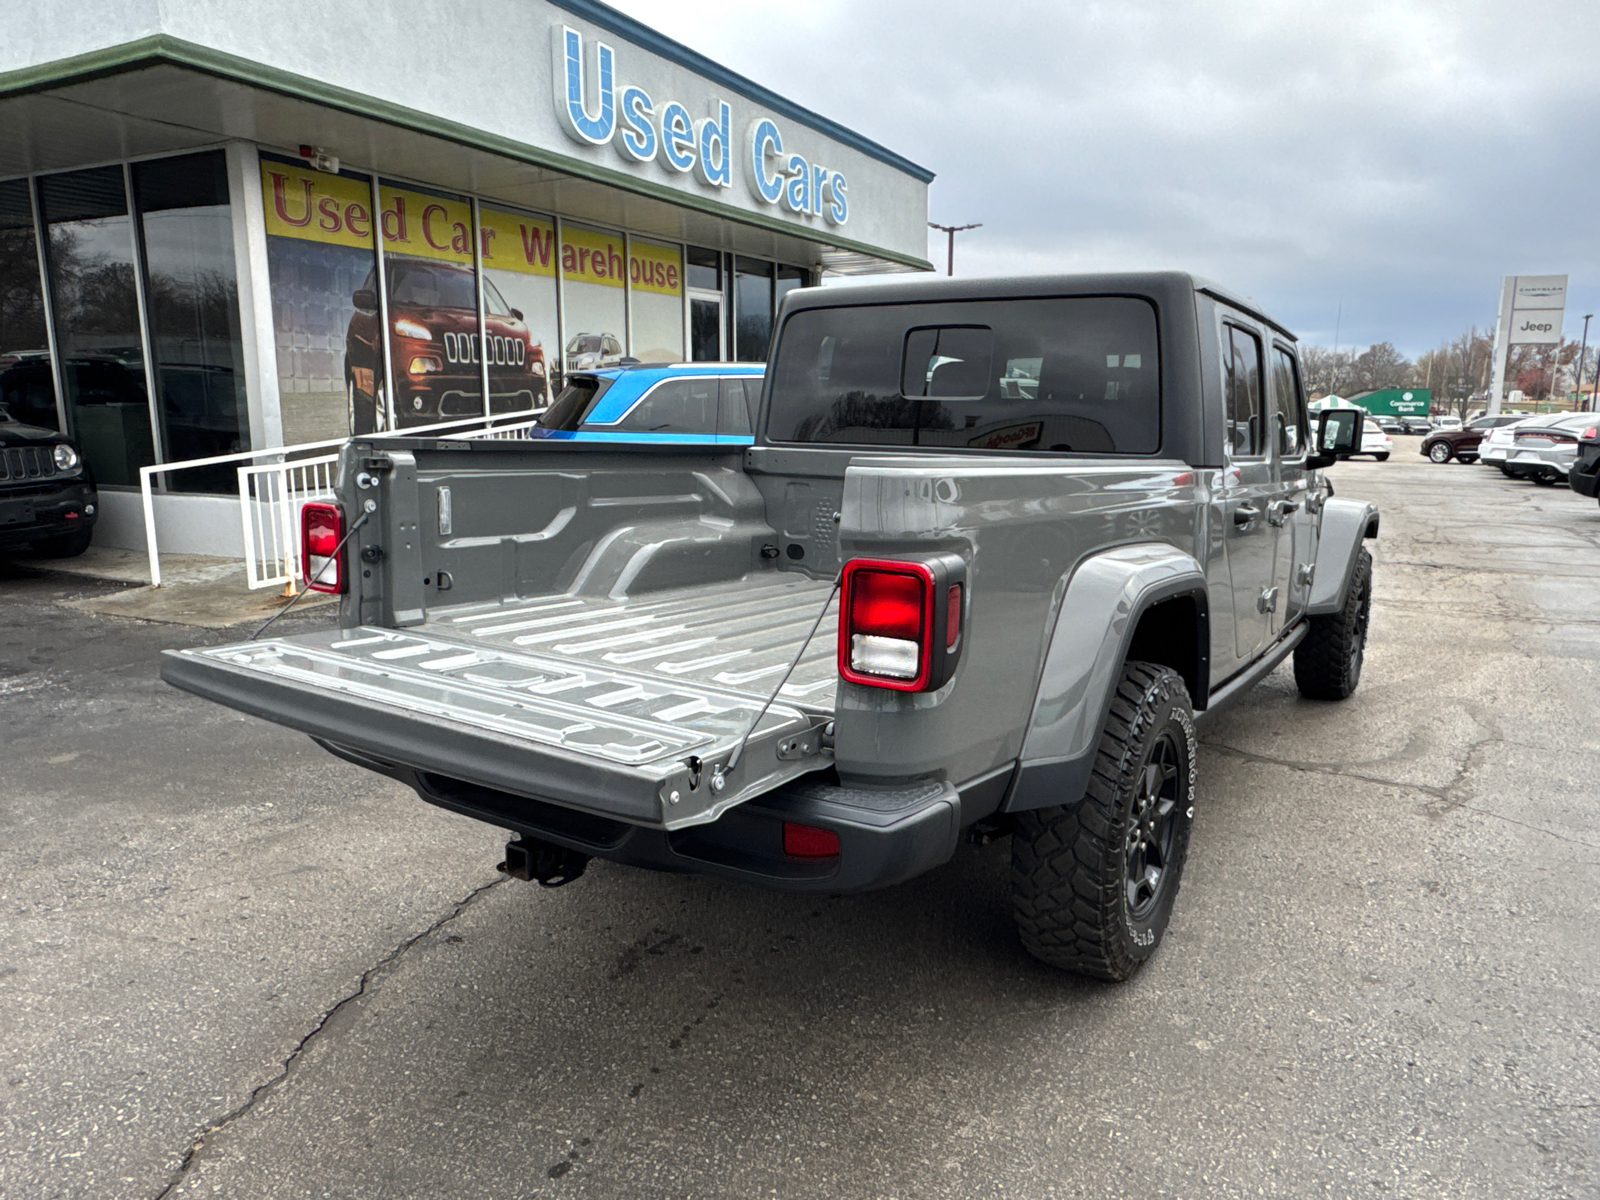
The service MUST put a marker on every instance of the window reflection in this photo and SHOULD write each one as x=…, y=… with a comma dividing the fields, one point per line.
x=193, y=300
x=27, y=386
x=90, y=249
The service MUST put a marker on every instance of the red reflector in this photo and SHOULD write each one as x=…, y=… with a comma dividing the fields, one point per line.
x=807, y=841
x=321, y=531
x=1591, y=432
x=886, y=604
x=72, y=516
x=952, y=617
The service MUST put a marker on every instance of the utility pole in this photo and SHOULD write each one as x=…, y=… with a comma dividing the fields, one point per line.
x=1583, y=354
x=952, y=230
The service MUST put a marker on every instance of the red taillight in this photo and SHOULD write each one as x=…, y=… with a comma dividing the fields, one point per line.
x=1590, y=433
x=808, y=841
x=321, y=531
x=886, y=624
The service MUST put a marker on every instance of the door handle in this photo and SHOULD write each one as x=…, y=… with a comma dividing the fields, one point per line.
x=1278, y=511
x=1245, y=514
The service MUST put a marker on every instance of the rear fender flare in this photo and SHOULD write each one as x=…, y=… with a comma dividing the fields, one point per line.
x=1105, y=597
x=1344, y=524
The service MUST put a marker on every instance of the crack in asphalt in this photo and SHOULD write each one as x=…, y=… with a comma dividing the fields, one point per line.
x=262, y=1090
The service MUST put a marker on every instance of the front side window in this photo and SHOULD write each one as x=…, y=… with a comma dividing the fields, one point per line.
x=1289, y=418
x=1071, y=374
x=1242, y=368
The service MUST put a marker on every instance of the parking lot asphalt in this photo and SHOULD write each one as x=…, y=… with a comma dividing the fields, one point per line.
x=233, y=965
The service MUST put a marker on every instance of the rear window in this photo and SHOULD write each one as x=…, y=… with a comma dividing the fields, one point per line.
x=1072, y=374
x=574, y=402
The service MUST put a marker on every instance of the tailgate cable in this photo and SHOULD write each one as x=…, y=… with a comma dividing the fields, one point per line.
x=733, y=759
x=360, y=521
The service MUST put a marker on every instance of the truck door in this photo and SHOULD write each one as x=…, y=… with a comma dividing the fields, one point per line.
x=1250, y=486
x=1296, y=548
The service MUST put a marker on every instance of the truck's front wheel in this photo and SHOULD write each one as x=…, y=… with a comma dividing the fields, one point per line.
x=1327, y=662
x=1092, y=883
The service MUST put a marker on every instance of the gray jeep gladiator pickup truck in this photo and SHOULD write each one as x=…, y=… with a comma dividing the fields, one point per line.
x=999, y=548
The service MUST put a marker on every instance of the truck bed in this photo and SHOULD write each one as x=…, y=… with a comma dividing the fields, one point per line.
x=625, y=707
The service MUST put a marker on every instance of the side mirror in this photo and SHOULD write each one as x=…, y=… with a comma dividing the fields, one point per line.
x=365, y=299
x=516, y=313
x=1338, y=435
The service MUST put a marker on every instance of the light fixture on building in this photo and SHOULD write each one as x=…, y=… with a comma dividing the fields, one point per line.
x=320, y=159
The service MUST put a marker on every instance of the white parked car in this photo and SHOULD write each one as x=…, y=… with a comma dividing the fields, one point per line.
x=1492, y=450
x=1443, y=423
x=1374, y=441
x=1543, y=449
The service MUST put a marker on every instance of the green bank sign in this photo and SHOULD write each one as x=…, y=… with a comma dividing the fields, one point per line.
x=1397, y=402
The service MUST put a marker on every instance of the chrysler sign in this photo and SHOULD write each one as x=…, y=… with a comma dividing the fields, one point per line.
x=595, y=107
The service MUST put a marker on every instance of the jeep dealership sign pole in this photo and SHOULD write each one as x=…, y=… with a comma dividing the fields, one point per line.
x=1531, y=309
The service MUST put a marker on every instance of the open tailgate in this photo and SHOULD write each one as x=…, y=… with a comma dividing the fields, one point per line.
x=646, y=743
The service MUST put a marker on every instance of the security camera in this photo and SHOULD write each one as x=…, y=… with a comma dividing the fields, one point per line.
x=320, y=159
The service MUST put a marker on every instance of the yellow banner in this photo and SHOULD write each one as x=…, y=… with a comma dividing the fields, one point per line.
x=653, y=268
x=426, y=226
x=513, y=242
x=316, y=206
x=588, y=256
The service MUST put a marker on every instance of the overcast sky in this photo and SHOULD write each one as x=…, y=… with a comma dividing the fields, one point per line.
x=1397, y=157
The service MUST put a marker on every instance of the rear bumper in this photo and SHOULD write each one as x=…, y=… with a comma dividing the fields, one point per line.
x=1539, y=462
x=31, y=514
x=886, y=835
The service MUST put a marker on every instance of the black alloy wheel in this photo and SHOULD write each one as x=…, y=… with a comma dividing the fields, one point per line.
x=1151, y=828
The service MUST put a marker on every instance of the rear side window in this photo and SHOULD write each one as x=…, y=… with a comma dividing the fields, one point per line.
x=676, y=406
x=1242, y=368
x=1076, y=374
x=738, y=406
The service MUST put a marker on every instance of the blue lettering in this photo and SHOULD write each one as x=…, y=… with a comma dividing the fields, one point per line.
x=677, y=137
x=797, y=195
x=765, y=142
x=819, y=180
x=570, y=89
x=839, y=207
x=638, y=140
x=716, y=167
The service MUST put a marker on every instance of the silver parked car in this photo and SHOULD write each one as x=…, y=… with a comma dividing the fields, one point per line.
x=1543, y=449
x=1493, y=449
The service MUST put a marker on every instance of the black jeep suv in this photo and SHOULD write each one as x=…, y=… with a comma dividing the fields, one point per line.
x=47, y=495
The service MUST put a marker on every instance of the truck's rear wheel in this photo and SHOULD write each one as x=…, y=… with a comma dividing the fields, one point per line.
x=1093, y=882
x=1327, y=662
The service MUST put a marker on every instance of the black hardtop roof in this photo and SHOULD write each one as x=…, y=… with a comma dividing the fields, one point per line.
x=1162, y=286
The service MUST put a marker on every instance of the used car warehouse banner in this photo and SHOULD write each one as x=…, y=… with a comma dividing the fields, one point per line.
x=321, y=249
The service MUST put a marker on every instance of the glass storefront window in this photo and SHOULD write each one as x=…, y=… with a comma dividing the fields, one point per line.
x=655, y=282
x=324, y=311
x=95, y=297
x=192, y=296
x=705, y=269
x=519, y=308
x=790, y=278
x=435, y=355
x=752, y=307
x=27, y=385
x=593, y=269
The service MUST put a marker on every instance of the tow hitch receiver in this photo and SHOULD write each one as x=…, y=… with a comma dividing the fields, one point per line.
x=549, y=864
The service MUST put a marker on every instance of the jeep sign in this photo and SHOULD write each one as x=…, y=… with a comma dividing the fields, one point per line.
x=1538, y=303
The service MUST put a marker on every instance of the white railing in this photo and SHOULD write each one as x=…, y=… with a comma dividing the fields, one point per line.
x=517, y=431
x=272, y=494
x=270, y=499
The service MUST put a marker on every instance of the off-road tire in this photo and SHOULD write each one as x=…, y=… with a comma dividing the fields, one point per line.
x=64, y=545
x=1440, y=452
x=1327, y=662
x=1073, y=865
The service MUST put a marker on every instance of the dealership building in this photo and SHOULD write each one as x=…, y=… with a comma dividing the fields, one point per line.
x=234, y=227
